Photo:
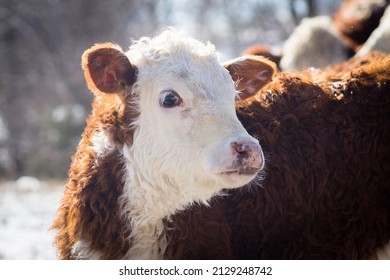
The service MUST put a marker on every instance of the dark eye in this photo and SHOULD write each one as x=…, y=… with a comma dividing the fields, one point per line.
x=169, y=99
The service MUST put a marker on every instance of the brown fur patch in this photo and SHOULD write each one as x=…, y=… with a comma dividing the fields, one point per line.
x=89, y=207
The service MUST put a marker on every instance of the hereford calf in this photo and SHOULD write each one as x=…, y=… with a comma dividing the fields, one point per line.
x=163, y=135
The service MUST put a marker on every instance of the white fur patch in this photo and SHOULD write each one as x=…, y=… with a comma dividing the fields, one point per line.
x=379, y=39
x=145, y=204
x=313, y=43
x=81, y=250
x=101, y=144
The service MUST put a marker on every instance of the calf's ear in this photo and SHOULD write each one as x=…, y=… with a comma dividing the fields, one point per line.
x=250, y=73
x=107, y=69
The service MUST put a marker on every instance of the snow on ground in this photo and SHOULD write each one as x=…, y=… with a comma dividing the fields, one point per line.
x=27, y=209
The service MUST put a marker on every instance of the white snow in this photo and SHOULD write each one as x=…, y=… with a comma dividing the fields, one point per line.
x=26, y=213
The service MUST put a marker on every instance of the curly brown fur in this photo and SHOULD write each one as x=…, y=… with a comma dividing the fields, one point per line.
x=90, y=201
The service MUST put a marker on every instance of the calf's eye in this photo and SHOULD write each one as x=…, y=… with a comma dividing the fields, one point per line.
x=169, y=99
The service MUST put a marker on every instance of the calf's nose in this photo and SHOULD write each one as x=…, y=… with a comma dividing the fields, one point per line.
x=248, y=153
x=246, y=148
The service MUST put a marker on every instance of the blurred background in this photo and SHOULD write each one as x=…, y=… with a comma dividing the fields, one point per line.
x=43, y=97
x=44, y=100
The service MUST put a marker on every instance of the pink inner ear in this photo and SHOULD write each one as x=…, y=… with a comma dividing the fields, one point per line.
x=109, y=80
x=101, y=74
x=265, y=76
x=251, y=73
x=107, y=69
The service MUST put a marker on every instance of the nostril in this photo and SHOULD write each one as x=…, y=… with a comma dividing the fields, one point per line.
x=243, y=149
x=247, y=155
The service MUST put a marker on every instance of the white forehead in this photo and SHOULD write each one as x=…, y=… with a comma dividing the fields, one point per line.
x=174, y=56
x=168, y=43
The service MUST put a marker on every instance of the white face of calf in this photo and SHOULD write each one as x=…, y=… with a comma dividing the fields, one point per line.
x=188, y=129
x=187, y=133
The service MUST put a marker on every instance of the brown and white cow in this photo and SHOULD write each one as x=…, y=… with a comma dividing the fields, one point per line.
x=163, y=135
